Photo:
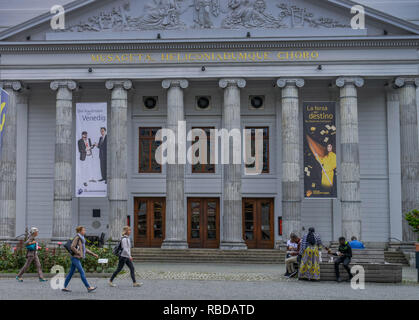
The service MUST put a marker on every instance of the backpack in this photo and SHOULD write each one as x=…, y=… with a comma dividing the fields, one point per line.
x=67, y=246
x=117, y=250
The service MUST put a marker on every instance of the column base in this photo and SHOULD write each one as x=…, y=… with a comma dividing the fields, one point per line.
x=233, y=246
x=173, y=244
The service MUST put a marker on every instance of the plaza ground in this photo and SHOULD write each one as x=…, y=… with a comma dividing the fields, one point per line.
x=212, y=282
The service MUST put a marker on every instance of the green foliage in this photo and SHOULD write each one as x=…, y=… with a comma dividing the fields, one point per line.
x=13, y=258
x=412, y=218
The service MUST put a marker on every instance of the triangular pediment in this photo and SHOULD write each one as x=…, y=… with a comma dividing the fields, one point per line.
x=199, y=19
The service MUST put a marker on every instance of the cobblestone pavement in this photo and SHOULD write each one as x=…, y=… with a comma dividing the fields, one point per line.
x=214, y=282
x=201, y=290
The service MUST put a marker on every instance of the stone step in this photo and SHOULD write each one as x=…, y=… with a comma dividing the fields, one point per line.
x=205, y=258
x=209, y=261
x=396, y=257
x=212, y=253
x=384, y=273
x=208, y=256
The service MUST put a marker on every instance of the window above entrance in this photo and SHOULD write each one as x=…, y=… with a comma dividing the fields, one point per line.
x=147, y=149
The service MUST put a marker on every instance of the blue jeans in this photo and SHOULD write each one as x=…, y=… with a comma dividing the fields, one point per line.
x=76, y=264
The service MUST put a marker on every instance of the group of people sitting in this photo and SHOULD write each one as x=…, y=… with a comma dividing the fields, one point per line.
x=303, y=255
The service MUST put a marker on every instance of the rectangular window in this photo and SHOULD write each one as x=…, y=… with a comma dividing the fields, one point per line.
x=265, y=168
x=147, y=150
x=206, y=167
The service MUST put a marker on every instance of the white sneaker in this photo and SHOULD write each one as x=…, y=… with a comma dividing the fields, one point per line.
x=112, y=284
x=137, y=284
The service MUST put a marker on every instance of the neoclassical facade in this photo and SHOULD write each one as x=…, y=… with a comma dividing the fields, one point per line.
x=233, y=65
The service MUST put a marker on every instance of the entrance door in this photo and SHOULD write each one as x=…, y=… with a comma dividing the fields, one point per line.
x=258, y=223
x=149, y=222
x=203, y=223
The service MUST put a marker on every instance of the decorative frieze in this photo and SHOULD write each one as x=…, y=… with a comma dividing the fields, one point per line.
x=206, y=14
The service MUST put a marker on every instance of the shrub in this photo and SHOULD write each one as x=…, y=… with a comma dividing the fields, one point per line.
x=412, y=218
x=13, y=258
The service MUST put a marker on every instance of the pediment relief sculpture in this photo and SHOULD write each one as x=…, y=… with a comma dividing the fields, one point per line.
x=204, y=14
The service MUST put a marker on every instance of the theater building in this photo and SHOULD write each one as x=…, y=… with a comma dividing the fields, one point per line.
x=236, y=64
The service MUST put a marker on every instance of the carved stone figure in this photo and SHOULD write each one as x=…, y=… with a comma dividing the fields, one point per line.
x=247, y=14
x=162, y=14
x=261, y=19
x=203, y=11
x=299, y=17
x=117, y=19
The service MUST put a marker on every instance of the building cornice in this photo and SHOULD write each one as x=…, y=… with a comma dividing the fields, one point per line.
x=211, y=44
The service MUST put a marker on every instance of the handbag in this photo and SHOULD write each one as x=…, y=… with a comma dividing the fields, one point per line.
x=31, y=247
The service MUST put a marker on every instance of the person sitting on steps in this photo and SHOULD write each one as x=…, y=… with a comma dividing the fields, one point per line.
x=344, y=255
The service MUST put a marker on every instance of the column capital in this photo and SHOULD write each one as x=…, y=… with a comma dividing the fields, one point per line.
x=69, y=84
x=15, y=85
x=227, y=82
x=283, y=82
x=182, y=83
x=391, y=92
x=343, y=81
x=126, y=84
x=402, y=81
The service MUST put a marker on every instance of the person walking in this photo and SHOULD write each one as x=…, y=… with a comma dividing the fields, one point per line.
x=125, y=258
x=31, y=256
x=310, y=259
x=78, y=247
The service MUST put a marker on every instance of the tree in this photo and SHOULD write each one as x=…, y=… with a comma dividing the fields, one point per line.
x=412, y=218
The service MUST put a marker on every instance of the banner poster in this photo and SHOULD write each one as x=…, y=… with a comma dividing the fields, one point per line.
x=91, y=149
x=319, y=150
x=4, y=101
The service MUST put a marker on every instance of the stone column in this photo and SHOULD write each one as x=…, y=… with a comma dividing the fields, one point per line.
x=394, y=167
x=291, y=191
x=62, y=218
x=350, y=172
x=118, y=155
x=176, y=237
x=232, y=197
x=409, y=150
x=8, y=164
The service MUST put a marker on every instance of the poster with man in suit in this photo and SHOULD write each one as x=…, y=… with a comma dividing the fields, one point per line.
x=91, y=150
x=103, y=147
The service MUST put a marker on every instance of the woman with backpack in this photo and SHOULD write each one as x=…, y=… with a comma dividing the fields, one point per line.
x=124, y=252
x=31, y=256
x=310, y=259
x=79, y=250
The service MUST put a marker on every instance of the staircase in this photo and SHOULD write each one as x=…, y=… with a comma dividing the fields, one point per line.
x=208, y=256
x=395, y=257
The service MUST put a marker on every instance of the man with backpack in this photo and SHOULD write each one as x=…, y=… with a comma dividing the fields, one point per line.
x=123, y=251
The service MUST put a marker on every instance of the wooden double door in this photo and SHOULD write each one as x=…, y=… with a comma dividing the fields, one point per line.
x=258, y=223
x=203, y=222
x=149, y=222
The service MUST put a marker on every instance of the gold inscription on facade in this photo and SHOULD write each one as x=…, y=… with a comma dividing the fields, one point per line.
x=191, y=57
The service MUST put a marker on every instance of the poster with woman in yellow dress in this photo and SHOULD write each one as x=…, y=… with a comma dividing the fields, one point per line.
x=319, y=150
